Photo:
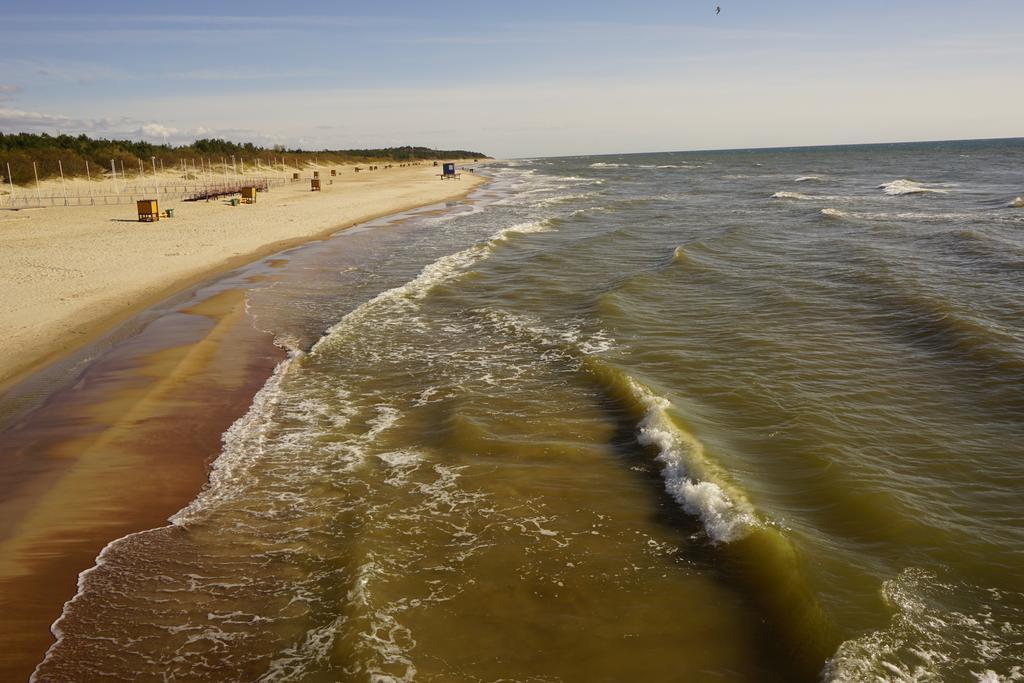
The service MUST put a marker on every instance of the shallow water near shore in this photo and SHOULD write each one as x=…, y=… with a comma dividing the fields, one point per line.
x=695, y=416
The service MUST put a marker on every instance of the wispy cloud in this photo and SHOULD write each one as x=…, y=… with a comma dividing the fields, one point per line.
x=177, y=30
x=8, y=91
x=80, y=71
x=201, y=20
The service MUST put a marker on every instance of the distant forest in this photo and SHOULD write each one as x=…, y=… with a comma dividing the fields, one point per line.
x=21, y=149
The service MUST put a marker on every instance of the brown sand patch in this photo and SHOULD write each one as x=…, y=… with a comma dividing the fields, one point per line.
x=119, y=452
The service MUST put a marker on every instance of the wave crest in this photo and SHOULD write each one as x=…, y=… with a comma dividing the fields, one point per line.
x=906, y=186
x=688, y=475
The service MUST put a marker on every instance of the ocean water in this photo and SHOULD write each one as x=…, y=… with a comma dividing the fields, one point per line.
x=739, y=416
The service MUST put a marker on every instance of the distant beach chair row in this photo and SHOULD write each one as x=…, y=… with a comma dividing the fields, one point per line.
x=209, y=192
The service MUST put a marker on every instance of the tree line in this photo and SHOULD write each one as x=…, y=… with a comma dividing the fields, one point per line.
x=75, y=151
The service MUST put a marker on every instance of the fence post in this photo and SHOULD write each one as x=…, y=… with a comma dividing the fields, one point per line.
x=36, y=174
x=63, y=187
x=11, y=181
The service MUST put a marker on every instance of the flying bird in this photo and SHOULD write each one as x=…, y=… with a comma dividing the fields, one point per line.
x=718, y=9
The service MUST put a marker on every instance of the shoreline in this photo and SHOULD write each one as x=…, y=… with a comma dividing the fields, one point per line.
x=90, y=322
x=131, y=440
x=121, y=451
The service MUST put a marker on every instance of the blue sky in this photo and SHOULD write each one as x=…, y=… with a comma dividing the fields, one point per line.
x=517, y=79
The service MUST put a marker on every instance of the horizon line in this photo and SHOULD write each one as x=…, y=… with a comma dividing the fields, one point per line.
x=774, y=147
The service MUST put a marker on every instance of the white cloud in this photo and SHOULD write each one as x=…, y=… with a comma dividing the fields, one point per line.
x=156, y=130
x=22, y=121
x=30, y=121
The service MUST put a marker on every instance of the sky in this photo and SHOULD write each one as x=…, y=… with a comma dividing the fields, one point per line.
x=516, y=79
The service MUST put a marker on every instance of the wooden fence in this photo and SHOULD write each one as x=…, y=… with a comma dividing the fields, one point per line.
x=25, y=198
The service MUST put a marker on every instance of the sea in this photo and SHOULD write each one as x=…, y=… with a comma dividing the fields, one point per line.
x=749, y=415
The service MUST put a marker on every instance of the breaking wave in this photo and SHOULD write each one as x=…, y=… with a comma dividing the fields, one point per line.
x=697, y=484
x=905, y=186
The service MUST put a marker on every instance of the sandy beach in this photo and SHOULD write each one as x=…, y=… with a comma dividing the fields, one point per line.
x=70, y=273
x=131, y=441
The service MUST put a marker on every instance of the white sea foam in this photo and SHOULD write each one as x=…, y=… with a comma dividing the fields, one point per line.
x=580, y=212
x=808, y=178
x=294, y=662
x=602, y=164
x=560, y=199
x=442, y=270
x=916, y=216
x=688, y=474
x=83, y=577
x=545, y=225
x=243, y=443
x=929, y=638
x=792, y=195
x=905, y=186
x=567, y=341
x=1017, y=203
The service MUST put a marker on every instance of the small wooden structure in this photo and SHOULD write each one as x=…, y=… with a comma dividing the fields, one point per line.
x=249, y=194
x=314, y=184
x=334, y=172
x=148, y=211
x=449, y=172
x=209, y=192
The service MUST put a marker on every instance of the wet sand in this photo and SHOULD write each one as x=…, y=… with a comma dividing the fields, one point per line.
x=120, y=451
x=118, y=448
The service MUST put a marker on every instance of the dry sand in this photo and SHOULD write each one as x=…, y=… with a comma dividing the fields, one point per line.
x=69, y=273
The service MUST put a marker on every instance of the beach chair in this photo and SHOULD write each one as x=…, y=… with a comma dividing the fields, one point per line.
x=148, y=211
x=448, y=172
